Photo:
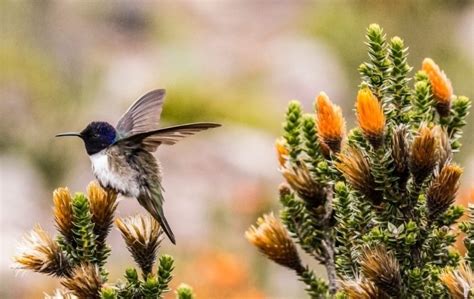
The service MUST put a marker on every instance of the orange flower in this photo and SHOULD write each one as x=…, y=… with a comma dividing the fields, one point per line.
x=282, y=151
x=370, y=116
x=440, y=86
x=330, y=123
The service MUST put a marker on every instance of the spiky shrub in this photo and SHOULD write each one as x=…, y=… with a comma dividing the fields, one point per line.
x=375, y=205
x=78, y=254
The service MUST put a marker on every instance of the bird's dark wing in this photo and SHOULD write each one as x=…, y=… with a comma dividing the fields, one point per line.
x=152, y=139
x=143, y=115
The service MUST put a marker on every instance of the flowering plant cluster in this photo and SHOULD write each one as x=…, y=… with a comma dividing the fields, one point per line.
x=375, y=205
x=78, y=254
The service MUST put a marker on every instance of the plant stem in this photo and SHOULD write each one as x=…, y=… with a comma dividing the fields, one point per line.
x=328, y=245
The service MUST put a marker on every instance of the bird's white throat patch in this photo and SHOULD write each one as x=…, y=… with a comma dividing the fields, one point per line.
x=100, y=165
x=122, y=182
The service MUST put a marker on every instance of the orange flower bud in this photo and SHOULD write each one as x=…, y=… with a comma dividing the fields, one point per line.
x=282, y=151
x=143, y=236
x=382, y=268
x=355, y=168
x=424, y=154
x=63, y=212
x=330, y=123
x=103, y=204
x=273, y=240
x=370, y=116
x=300, y=180
x=85, y=282
x=443, y=189
x=440, y=86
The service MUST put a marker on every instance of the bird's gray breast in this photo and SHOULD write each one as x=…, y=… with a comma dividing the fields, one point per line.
x=111, y=168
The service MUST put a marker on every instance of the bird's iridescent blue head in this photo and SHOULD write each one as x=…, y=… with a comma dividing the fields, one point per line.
x=97, y=136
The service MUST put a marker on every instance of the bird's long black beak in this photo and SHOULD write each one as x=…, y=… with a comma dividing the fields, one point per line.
x=69, y=134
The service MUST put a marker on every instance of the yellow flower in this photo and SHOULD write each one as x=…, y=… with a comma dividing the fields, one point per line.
x=440, y=86
x=103, y=205
x=272, y=239
x=63, y=212
x=282, y=151
x=330, y=123
x=370, y=116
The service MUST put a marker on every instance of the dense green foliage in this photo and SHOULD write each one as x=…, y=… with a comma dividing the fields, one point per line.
x=379, y=213
x=79, y=254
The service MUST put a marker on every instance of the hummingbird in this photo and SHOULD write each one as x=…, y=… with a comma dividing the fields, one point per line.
x=121, y=156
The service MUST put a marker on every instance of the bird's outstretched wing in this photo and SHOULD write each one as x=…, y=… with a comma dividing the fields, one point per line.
x=143, y=115
x=152, y=139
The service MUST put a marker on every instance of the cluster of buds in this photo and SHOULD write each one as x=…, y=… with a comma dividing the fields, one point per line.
x=79, y=251
x=390, y=228
x=78, y=254
x=102, y=206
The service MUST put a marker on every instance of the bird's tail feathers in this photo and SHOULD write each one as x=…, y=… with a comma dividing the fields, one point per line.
x=154, y=208
x=166, y=228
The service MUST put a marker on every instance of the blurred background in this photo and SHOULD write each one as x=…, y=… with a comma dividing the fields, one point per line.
x=66, y=63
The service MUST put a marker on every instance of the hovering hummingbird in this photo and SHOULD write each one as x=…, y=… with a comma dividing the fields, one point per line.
x=122, y=159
